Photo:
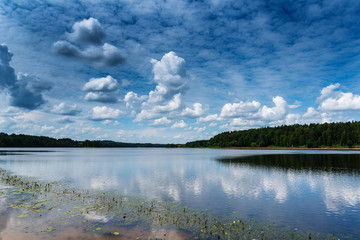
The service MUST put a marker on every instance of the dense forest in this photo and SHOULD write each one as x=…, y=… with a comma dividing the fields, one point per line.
x=335, y=135
x=21, y=140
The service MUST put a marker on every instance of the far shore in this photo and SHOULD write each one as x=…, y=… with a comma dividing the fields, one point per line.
x=281, y=148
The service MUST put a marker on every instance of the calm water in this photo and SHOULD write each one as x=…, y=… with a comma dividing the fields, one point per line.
x=316, y=191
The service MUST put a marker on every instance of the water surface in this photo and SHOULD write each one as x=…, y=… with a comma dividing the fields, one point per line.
x=317, y=191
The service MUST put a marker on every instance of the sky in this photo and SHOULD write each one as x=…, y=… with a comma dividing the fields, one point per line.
x=173, y=71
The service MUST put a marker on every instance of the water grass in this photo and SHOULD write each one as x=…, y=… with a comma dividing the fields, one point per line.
x=103, y=214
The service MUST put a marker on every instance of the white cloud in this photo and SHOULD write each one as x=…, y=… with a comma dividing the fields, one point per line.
x=170, y=75
x=200, y=129
x=108, y=122
x=226, y=125
x=325, y=118
x=102, y=113
x=161, y=122
x=239, y=109
x=311, y=112
x=157, y=110
x=105, y=84
x=171, y=79
x=172, y=105
x=277, y=112
x=292, y=119
x=213, y=124
x=131, y=98
x=87, y=31
x=66, y=109
x=101, y=97
x=197, y=111
x=179, y=124
x=344, y=101
x=103, y=89
x=295, y=105
x=208, y=118
x=328, y=91
x=245, y=122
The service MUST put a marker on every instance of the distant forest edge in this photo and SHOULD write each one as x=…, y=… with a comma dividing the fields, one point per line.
x=326, y=135
x=21, y=140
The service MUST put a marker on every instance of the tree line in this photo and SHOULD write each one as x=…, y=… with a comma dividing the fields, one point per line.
x=22, y=140
x=308, y=136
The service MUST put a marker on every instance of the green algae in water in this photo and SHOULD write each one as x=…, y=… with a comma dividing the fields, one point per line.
x=100, y=213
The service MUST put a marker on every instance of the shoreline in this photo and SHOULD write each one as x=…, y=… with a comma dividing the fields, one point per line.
x=278, y=148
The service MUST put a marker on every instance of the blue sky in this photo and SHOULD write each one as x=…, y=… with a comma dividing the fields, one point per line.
x=175, y=71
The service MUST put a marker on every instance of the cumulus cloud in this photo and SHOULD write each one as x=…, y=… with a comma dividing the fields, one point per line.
x=230, y=110
x=246, y=122
x=170, y=76
x=179, y=124
x=311, y=112
x=338, y=101
x=197, y=111
x=200, y=129
x=104, y=112
x=132, y=98
x=157, y=110
x=277, y=112
x=328, y=91
x=161, y=122
x=89, y=32
x=103, y=89
x=208, y=118
x=105, y=84
x=292, y=118
x=346, y=101
x=25, y=91
x=66, y=109
x=100, y=97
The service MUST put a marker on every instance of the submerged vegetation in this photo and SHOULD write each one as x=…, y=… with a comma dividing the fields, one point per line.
x=103, y=214
x=22, y=140
x=326, y=135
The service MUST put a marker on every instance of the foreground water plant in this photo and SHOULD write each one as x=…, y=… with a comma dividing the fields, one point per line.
x=103, y=214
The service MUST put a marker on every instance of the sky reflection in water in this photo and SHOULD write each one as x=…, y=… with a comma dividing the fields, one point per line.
x=262, y=186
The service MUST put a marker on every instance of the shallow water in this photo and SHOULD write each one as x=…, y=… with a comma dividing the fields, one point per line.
x=315, y=191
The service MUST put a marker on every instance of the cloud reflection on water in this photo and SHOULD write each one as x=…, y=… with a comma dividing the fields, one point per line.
x=196, y=179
